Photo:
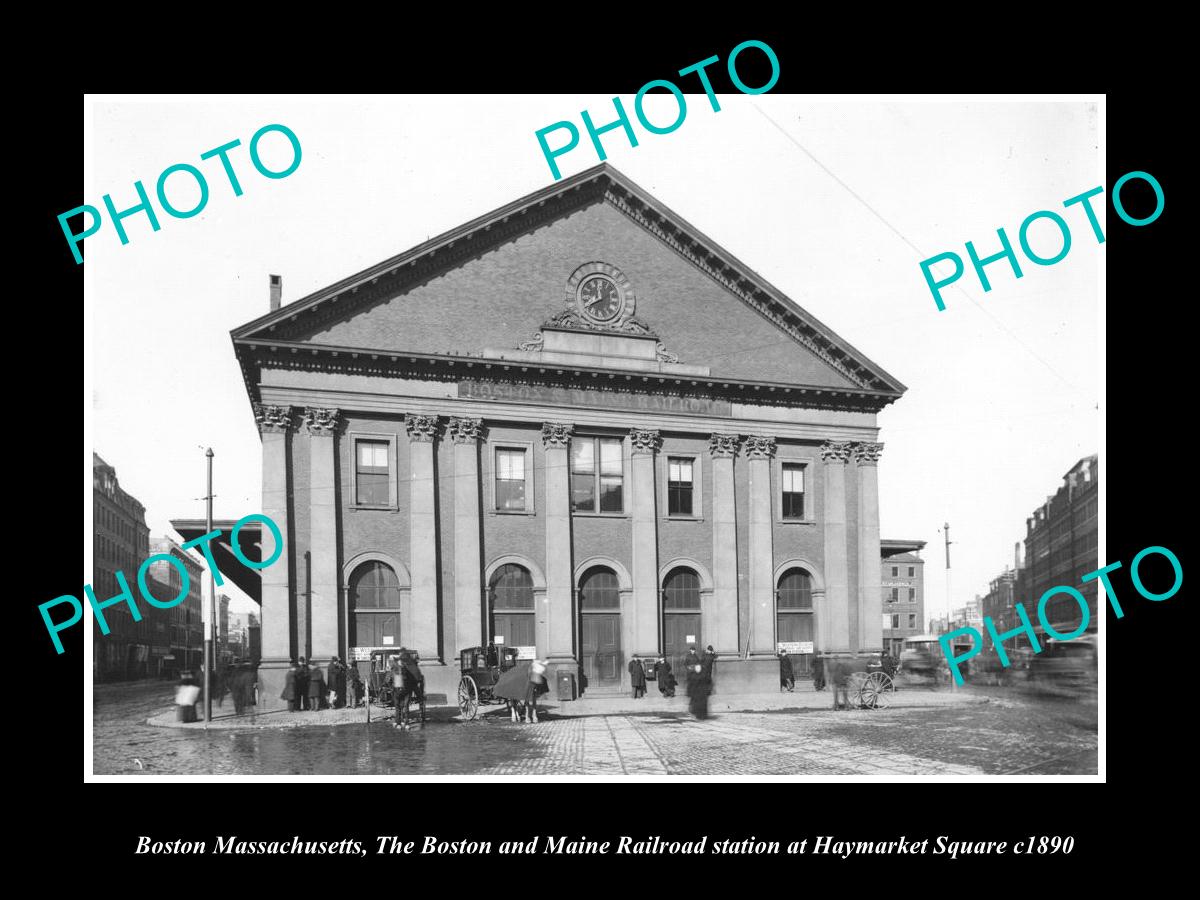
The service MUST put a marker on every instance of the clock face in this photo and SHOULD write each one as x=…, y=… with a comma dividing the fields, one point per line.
x=599, y=299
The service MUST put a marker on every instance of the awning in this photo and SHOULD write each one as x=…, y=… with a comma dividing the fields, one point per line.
x=249, y=541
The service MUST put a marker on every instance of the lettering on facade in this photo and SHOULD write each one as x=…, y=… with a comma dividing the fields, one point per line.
x=575, y=397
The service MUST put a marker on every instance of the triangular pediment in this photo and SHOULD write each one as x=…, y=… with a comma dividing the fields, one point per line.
x=591, y=269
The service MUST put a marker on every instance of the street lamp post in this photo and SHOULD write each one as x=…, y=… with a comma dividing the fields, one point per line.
x=209, y=613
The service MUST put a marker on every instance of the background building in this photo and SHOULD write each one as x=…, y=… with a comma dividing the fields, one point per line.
x=1061, y=546
x=574, y=425
x=181, y=627
x=120, y=543
x=902, y=578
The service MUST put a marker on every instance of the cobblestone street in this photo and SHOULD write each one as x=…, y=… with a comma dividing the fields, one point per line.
x=1001, y=732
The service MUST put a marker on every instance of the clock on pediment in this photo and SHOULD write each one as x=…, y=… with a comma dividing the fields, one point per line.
x=600, y=295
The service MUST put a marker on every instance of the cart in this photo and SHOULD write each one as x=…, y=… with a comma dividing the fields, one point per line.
x=380, y=689
x=481, y=668
x=868, y=685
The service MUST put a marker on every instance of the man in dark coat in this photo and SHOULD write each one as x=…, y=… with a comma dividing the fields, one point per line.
x=637, y=678
x=302, y=684
x=316, y=687
x=787, y=678
x=699, y=686
x=291, y=688
x=818, y=670
x=335, y=679
x=666, y=680
x=710, y=658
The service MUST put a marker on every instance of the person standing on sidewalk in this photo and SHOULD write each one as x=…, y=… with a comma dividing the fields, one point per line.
x=316, y=687
x=698, y=688
x=666, y=680
x=787, y=678
x=709, y=660
x=637, y=678
x=302, y=684
x=291, y=692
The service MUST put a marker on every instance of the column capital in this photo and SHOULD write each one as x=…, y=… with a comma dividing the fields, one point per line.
x=760, y=447
x=556, y=435
x=724, y=445
x=645, y=440
x=836, y=451
x=273, y=419
x=463, y=430
x=323, y=422
x=867, y=453
x=421, y=429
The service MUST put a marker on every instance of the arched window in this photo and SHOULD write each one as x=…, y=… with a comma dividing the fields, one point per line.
x=510, y=594
x=600, y=627
x=681, y=590
x=374, y=596
x=794, y=615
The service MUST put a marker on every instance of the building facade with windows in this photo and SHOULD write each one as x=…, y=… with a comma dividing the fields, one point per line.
x=902, y=578
x=574, y=425
x=120, y=543
x=179, y=630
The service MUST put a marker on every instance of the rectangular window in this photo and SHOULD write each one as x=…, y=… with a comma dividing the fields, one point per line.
x=510, y=478
x=912, y=620
x=895, y=595
x=371, y=473
x=597, y=475
x=912, y=594
x=680, y=486
x=910, y=571
x=895, y=571
x=793, y=490
x=896, y=620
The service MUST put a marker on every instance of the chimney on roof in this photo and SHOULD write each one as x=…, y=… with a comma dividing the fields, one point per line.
x=276, y=292
x=1017, y=556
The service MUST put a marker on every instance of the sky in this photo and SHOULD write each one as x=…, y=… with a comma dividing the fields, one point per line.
x=835, y=201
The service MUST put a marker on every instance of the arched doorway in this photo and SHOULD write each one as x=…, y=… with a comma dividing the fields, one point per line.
x=794, y=615
x=681, y=616
x=510, y=602
x=374, y=607
x=600, y=628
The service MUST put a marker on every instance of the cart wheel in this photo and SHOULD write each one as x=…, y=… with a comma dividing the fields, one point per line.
x=855, y=686
x=468, y=697
x=877, y=692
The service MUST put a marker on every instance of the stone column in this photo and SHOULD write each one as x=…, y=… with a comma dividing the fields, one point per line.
x=468, y=565
x=719, y=622
x=558, y=632
x=645, y=443
x=274, y=424
x=870, y=600
x=322, y=426
x=833, y=621
x=760, y=451
x=423, y=555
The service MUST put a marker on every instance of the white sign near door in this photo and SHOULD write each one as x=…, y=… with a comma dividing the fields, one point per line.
x=691, y=639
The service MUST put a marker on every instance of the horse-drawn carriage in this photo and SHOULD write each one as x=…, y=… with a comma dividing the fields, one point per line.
x=381, y=680
x=482, y=668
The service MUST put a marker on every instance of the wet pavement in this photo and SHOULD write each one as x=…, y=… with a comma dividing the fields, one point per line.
x=1005, y=731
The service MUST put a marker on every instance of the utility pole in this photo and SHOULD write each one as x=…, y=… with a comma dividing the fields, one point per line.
x=209, y=613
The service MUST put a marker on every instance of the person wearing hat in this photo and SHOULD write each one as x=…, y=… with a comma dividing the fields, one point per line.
x=666, y=680
x=291, y=691
x=302, y=684
x=787, y=677
x=699, y=685
x=637, y=678
x=316, y=687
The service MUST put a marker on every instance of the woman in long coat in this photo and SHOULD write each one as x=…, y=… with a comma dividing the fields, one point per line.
x=289, y=687
x=335, y=678
x=666, y=681
x=699, y=686
x=316, y=687
x=637, y=678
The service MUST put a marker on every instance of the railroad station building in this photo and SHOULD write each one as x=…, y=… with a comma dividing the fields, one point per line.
x=574, y=425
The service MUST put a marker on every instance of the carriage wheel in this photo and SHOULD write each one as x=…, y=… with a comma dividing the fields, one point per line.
x=877, y=692
x=855, y=684
x=468, y=697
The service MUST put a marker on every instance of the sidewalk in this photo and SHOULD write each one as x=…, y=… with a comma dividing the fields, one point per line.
x=624, y=705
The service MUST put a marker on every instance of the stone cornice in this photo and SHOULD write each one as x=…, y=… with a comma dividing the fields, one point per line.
x=273, y=419
x=644, y=441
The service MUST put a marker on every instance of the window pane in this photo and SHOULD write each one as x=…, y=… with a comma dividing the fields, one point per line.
x=583, y=492
x=610, y=457
x=598, y=589
x=679, y=499
x=583, y=458
x=512, y=588
x=510, y=464
x=373, y=488
x=610, y=494
x=379, y=456
x=681, y=590
x=793, y=506
x=793, y=478
x=510, y=494
x=795, y=590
